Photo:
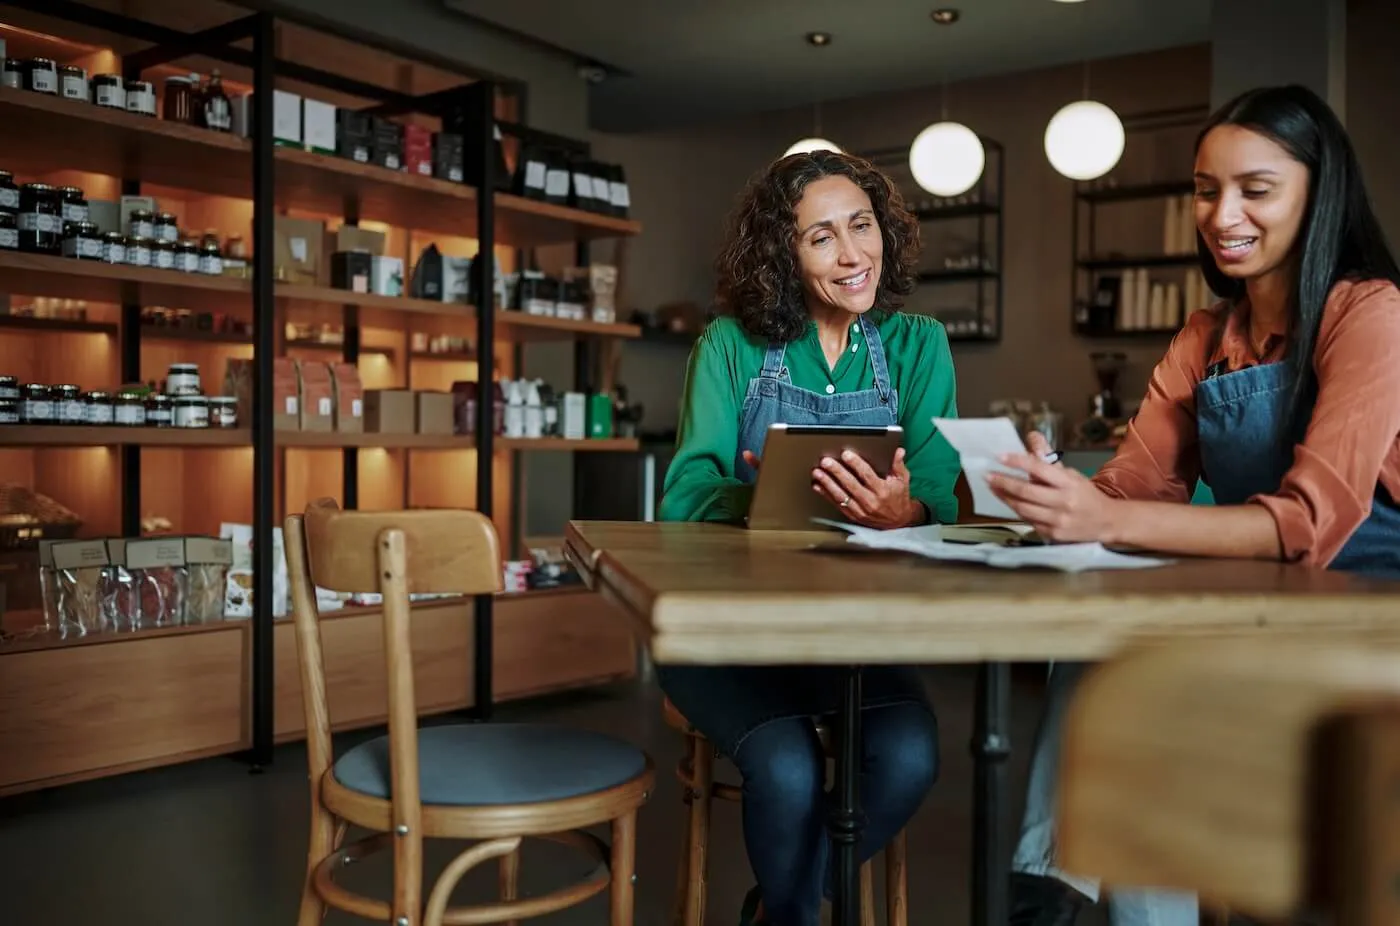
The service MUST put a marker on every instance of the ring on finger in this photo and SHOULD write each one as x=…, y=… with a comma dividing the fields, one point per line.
x=847, y=502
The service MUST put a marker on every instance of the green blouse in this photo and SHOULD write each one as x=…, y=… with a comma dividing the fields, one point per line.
x=700, y=482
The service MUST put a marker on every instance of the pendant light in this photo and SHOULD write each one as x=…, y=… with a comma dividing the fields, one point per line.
x=1085, y=139
x=946, y=158
x=815, y=141
x=808, y=145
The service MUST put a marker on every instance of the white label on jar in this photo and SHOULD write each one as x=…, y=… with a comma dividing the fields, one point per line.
x=38, y=222
x=43, y=81
x=534, y=175
x=141, y=101
x=38, y=410
x=167, y=233
x=85, y=248
x=165, y=258
x=182, y=384
x=191, y=416
x=158, y=416
x=74, y=213
x=99, y=413
x=323, y=407
x=129, y=414
x=211, y=264
x=138, y=256
x=75, y=88
x=9, y=238
x=189, y=263
x=291, y=405
x=357, y=408
x=557, y=183
x=9, y=415
x=142, y=229
x=618, y=195
x=9, y=199
x=113, y=252
x=71, y=411
x=583, y=186
x=108, y=95
x=600, y=189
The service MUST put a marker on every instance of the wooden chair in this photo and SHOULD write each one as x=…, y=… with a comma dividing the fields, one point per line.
x=493, y=782
x=696, y=774
x=1260, y=773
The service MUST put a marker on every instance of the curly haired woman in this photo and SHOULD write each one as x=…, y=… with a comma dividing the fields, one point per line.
x=820, y=251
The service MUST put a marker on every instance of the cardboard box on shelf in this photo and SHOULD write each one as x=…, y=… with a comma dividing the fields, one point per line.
x=317, y=396
x=297, y=250
x=286, y=400
x=349, y=398
x=318, y=126
x=286, y=119
x=351, y=270
x=389, y=411
x=354, y=238
x=434, y=412
x=386, y=276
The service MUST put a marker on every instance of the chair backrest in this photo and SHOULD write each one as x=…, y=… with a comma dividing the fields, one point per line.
x=1259, y=773
x=394, y=553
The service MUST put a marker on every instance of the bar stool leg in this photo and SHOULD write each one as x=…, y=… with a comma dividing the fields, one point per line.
x=897, y=881
x=509, y=880
x=698, y=851
x=624, y=869
x=686, y=776
x=867, y=895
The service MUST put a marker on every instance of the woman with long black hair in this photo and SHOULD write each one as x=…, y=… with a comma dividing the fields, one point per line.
x=1284, y=398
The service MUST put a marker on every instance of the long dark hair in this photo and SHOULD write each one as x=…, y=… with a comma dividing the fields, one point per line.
x=758, y=279
x=1339, y=239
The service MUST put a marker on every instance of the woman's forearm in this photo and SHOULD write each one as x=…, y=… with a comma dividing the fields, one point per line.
x=1238, y=531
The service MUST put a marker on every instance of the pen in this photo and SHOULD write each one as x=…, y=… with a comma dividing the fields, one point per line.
x=1052, y=457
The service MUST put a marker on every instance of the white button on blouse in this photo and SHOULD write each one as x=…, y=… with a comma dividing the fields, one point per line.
x=830, y=388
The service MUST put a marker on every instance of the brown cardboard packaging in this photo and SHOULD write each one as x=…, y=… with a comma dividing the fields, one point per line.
x=286, y=402
x=317, y=396
x=354, y=238
x=434, y=412
x=389, y=411
x=349, y=398
x=299, y=251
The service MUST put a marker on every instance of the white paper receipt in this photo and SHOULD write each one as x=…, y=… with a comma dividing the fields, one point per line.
x=980, y=441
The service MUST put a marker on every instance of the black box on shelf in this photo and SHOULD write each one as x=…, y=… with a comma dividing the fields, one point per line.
x=351, y=270
x=354, y=135
x=386, y=146
x=449, y=157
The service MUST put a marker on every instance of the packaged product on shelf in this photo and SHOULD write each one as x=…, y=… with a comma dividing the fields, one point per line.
x=386, y=143
x=297, y=248
x=317, y=396
x=208, y=561
x=536, y=294
x=442, y=278
x=141, y=97
x=157, y=567
x=433, y=412
x=286, y=403
x=178, y=104
x=448, y=151
x=550, y=403
x=286, y=119
x=418, y=150
x=350, y=271
x=239, y=600
x=464, y=407
x=109, y=90
x=600, y=417
x=216, y=112
x=515, y=407
x=389, y=411
x=120, y=604
x=530, y=172
x=41, y=76
x=354, y=135
x=386, y=276
x=79, y=566
x=12, y=75
x=355, y=238
x=48, y=586
x=211, y=256
x=575, y=423
x=620, y=195
x=572, y=299
x=318, y=126
x=39, y=220
x=138, y=216
x=349, y=398
x=223, y=411
x=602, y=287
x=534, y=410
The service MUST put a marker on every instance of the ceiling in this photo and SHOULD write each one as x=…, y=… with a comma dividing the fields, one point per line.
x=675, y=63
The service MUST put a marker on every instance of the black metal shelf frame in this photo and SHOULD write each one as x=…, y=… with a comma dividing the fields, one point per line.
x=478, y=98
x=985, y=206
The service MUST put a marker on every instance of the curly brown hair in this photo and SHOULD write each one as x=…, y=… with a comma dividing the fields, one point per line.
x=759, y=283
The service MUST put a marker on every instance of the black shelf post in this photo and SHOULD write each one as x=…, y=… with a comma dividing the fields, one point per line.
x=478, y=101
x=264, y=329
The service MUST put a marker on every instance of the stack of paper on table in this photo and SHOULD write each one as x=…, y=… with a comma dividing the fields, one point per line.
x=927, y=541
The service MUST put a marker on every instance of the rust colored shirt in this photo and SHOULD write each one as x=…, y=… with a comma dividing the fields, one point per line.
x=1352, y=442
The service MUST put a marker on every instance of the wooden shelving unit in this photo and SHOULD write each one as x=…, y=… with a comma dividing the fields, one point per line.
x=243, y=672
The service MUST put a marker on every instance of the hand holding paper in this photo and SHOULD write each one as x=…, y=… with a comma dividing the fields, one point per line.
x=981, y=442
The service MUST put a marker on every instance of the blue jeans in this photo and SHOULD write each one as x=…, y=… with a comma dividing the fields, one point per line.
x=1035, y=853
x=785, y=800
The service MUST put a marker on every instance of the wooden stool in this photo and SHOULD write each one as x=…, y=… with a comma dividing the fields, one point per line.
x=494, y=782
x=696, y=774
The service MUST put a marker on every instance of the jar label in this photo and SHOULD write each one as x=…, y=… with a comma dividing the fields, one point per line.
x=38, y=222
x=158, y=416
x=71, y=411
x=9, y=239
x=99, y=414
x=556, y=183
x=191, y=416
x=9, y=414
x=130, y=414
x=138, y=256
x=75, y=88
x=165, y=259
x=143, y=230
x=141, y=101
x=43, y=81
x=83, y=248
x=187, y=262
x=39, y=410
x=212, y=265
x=9, y=199
x=74, y=213
x=113, y=253
x=534, y=175
x=217, y=115
x=167, y=233
x=111, y=96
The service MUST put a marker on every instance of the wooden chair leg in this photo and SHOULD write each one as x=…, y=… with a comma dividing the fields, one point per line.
x=682, y=898
x=624, y=869
x=897, y=881
x=697, y=852
x=510, y=880
x=324, y=840
x=867, y=895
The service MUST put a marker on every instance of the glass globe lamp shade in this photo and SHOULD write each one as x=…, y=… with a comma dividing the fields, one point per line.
x=947, y=158
x=1084, y=140
x=808, y=145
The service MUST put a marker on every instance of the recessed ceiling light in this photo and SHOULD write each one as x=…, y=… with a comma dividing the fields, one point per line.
x=819, y=38
x=946, y=16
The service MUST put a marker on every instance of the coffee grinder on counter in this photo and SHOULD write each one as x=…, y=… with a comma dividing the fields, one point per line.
x=1108, y=366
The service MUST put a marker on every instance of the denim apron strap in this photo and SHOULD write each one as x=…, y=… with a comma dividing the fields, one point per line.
x=773, y=361
x=876, y=347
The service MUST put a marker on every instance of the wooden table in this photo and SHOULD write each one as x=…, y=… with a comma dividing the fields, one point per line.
x=718, y=595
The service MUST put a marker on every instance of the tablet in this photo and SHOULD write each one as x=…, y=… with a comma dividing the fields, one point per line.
x=783, y=498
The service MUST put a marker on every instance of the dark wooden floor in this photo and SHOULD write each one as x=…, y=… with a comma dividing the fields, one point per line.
x=208, y=844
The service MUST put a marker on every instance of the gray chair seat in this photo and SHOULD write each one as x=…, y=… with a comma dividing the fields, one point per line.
x=491, y=764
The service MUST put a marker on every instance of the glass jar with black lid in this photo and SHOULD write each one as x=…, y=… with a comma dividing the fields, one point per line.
x=98, y=408
x=82, y=240
x=36, y=404
x=141, y=223
x=187, y=256
x=160, y=410
x=68, y=405
x=163, y=254
x=138, y=251
x=9, y=410
x=113, y=248
x=129, y=409
x=72, y=203
x=13, y=74
x=40, y=223
x=109, y=90
x=72, y=82
x=165, y=227
x=9, y=232
x=41, y=75
x=9, y=193
x=9, y=387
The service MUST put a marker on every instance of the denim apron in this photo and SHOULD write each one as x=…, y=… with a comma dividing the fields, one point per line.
x=727, y=703
x=1238, y=420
